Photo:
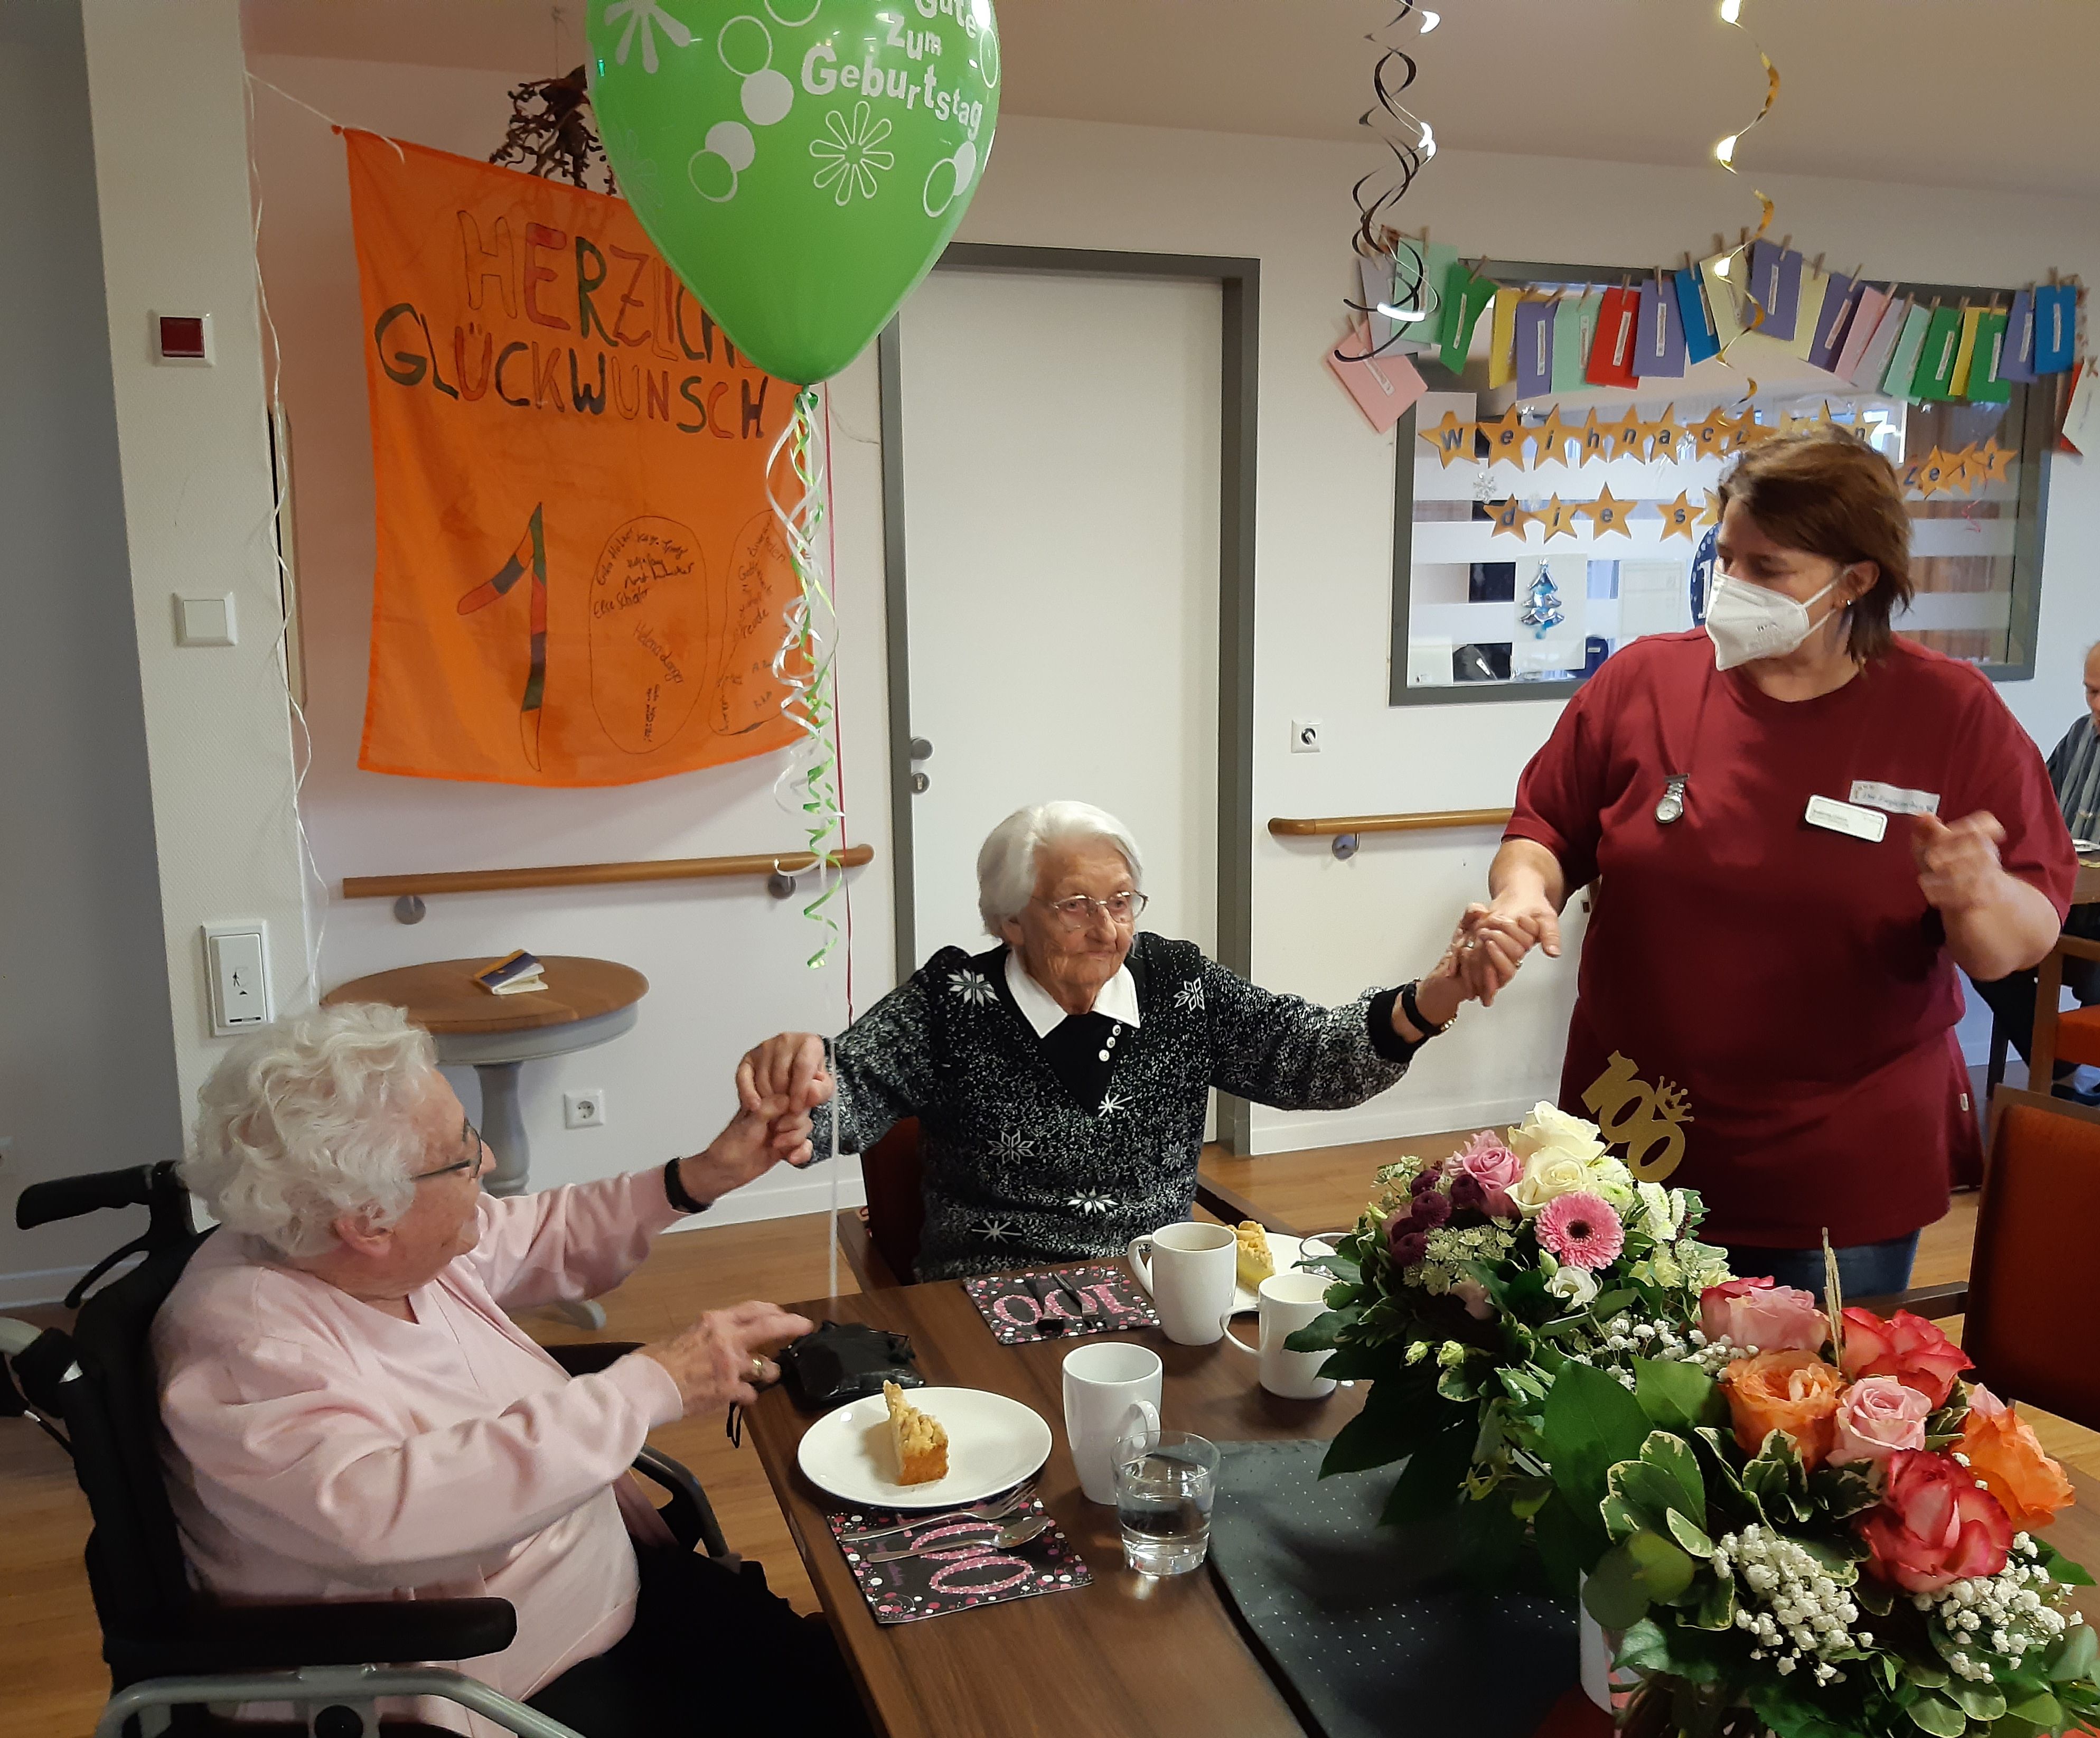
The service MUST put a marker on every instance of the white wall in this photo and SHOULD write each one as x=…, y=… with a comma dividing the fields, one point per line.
x=725, y=960
x=87, y=1066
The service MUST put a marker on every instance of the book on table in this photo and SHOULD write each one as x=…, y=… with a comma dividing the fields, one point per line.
x=516, y=974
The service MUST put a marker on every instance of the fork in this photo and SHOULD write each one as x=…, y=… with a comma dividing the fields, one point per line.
x=997, y=1508
x=1013, y=1533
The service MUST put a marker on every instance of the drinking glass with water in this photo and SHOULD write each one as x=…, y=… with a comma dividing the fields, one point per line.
x=1163, y=1495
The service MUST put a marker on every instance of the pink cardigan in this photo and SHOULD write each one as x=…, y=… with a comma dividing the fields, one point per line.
x=320, y=1448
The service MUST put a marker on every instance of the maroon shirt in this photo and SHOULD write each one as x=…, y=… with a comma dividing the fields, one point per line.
x=1791, y=980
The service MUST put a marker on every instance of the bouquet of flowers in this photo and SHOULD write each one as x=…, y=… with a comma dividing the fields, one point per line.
x=1796, y=1522
x=1471, y=1285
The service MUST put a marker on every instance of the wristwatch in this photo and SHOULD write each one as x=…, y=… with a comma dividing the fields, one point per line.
x=677, y=1193
x=1411, y=1012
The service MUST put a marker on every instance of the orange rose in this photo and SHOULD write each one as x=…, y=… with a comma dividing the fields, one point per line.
x=1791, y=1390
x=2006, y=1458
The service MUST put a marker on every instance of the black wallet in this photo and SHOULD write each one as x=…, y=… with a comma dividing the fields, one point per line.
x=844, y=1360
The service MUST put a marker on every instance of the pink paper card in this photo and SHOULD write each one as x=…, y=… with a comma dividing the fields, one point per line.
x=1383, y=386
x=1867, y=315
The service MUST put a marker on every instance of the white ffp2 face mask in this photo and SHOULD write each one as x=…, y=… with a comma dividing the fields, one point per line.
x=1748, y=622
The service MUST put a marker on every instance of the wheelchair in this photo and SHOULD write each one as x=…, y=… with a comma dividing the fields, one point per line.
x=172, y=1650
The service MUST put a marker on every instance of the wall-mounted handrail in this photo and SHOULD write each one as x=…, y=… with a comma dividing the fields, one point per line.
x=1345, y=830
x=406, y=890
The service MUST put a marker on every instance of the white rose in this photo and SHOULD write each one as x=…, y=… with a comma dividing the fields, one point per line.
x=1549, y=1129
x=1547, y=1175
x=1613, y=1181
x=1573, y=1285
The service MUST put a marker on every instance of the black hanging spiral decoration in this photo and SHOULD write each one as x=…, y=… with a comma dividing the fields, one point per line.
x=1412, y=143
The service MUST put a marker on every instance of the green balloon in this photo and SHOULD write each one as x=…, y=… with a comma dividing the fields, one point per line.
x=799, y=163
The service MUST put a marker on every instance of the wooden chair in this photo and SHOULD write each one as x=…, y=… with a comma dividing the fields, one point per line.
x=2062, y=1037
x=2023, y=1326
x=880, y=1241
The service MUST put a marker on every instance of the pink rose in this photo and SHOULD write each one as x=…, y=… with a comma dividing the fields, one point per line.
x=1935, y=1526
x=1876, y=1418
x=1906, y=1347
x=1496, y=1169
x=1758, y=1313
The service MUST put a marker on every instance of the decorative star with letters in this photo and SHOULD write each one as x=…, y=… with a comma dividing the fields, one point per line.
x=1607, y=513
x=1506, y=436
x=1627, y=435
x=1592, y=438
x=1659, y=437
x=1452, y=439
x=1709, y=510
x=1553, y=435
x=1713, y=436
x=1932, y=474
x=1558, y=517
x=1992, y=460
x=1678, y=516
x=1510, y=519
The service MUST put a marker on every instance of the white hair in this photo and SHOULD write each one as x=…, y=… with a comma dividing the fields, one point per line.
x=1006, y=861
x=312, y=1118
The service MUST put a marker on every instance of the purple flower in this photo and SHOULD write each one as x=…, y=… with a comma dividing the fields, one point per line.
x=1426, y=1180
x=1431, y=1210
x=1468, y=1193
x=1408, y=1248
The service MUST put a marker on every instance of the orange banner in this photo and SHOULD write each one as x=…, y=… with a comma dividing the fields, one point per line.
x=580, y=579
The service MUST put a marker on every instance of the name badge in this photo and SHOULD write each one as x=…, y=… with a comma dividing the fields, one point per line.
x=1894, y=798
x=1828, y=813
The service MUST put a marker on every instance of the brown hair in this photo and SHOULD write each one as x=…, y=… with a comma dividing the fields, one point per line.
x=1831, y=494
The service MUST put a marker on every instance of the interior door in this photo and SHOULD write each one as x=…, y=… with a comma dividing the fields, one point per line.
x=1062, y=476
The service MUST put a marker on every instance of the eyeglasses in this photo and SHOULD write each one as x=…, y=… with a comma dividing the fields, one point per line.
x=468, y=1134
x=1078, y=912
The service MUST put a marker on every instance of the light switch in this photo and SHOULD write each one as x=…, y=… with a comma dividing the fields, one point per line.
x=206, y=621
x=237, y=970
x=184, y=339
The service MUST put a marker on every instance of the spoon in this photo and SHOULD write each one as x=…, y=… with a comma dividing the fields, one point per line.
x=1013, y=1533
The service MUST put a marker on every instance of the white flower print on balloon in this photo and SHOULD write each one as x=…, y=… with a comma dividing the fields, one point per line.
x=646, y=16
x=974, y=988
x=850, y=156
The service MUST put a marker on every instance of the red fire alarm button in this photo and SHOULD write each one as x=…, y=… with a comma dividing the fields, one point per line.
x=185, y=338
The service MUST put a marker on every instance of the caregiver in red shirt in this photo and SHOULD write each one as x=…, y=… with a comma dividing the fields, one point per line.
x=1797, y=827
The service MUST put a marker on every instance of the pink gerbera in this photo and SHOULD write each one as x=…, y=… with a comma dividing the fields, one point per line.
x=1581, y=1229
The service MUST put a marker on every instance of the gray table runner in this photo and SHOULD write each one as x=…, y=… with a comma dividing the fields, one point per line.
x=1374, y=1632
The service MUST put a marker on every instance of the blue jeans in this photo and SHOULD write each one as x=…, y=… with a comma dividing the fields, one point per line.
x=1865, y=1270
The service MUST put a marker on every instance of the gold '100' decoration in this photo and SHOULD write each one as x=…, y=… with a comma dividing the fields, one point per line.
x=1646, y=1120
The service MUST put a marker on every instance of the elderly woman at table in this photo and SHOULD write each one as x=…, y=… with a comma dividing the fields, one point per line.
x=1060, y=1078
x=352, y=1414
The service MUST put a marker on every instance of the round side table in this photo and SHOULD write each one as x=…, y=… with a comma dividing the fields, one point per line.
x=586, y=1002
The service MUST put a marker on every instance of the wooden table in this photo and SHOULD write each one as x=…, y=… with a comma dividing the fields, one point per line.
x=1126, y=1656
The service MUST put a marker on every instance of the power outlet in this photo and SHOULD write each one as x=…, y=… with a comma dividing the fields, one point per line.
x=1305, y=736
x=584, y=1110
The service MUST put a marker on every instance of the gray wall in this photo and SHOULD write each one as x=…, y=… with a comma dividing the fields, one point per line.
x=87, y=1067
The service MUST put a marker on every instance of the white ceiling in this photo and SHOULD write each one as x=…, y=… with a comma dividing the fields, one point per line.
x=1991, y=94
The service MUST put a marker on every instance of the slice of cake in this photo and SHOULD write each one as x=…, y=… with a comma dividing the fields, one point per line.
x=920, y=1441
x=1252, y=1257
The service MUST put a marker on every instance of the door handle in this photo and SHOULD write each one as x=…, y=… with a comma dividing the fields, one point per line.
x=921, y=749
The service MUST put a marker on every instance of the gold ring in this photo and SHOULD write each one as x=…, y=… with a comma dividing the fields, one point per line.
x=757, y=1368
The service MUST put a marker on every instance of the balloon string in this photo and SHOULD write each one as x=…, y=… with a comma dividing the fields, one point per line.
x=803, y=663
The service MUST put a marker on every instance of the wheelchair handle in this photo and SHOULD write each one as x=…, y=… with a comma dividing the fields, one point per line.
x=69, y=1197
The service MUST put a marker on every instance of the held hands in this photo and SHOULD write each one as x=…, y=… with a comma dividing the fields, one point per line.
x=785, y=1074
x=1958, y=866
x=720, y=1361
x=749, y=1147
x=1492, y=939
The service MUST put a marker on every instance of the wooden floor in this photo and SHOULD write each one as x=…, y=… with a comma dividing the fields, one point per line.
x=52, y=1682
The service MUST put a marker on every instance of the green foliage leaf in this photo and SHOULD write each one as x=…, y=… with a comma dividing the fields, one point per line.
x=2041, y=1708
x=1979, y=1701
x=1401, y=1414
x=1926, y=1675
x=1645, y=1648
x=1937, y=1715
x=1364, y=1363
x=1646, y=1569
x=2061, y=1568
x=1677, y=1396
x=1590, y=1423
x=1843, y=1491
x=1428, y=1484
x=1567, y=1543
x=1689, y=1537
x=2073, y=1654
x=1323, y=1333
x=1717, y=1605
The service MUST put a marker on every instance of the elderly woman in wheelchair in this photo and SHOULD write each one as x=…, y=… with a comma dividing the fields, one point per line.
x=349, y=1410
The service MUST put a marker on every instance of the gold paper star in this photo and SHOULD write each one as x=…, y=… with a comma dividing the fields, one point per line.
x=1747, y=431
x=1507, y=436
x=1593, y=439
x=1627, y=433
x=1713, y=435
x=1659, y=437
x=1554, y=435
x=1607, y=513
x=1510, y=519
x=1678, y=516
x=1992, y=460
x=1790, y=423
x=1962, y=474
x=1452, y=439
x=1710, y=512
x=1910, y=474
x=1932, y=474
x=1558, y=517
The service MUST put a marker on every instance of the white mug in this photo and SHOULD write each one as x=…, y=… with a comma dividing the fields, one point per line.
x=1111, y=1386
x=1286, y=1302
x=1188, y=1270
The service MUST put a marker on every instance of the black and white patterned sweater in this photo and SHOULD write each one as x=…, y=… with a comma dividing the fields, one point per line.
x=1017, y=1168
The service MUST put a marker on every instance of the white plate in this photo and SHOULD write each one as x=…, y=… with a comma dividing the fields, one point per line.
x=994, y=1443
x=1285, y=1252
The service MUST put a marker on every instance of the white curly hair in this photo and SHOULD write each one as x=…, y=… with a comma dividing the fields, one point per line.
x=310, y=1119
x=1007, y=860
